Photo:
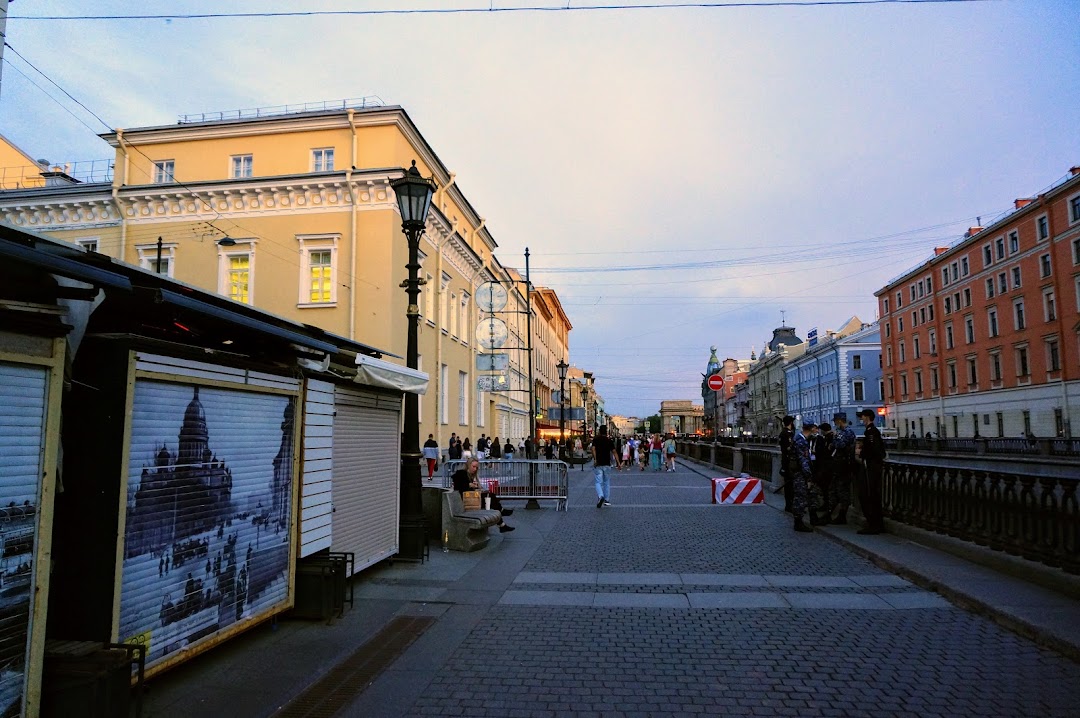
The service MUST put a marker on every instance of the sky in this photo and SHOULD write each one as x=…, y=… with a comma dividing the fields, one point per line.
x=681, y=176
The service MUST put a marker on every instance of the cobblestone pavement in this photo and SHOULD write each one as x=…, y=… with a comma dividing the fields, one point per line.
x=781, y=648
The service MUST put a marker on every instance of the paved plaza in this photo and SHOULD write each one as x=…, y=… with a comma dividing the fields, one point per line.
x=660, y=605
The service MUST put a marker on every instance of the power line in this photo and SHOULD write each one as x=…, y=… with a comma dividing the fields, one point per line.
x=491, y=10
x=153, y=231
x=45, y=92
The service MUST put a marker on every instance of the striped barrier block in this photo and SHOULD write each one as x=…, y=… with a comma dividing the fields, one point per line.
x=737, y=491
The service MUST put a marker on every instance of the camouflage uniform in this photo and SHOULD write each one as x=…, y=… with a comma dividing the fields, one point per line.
x=819, y=445
x=799, y=473
x=843, y=468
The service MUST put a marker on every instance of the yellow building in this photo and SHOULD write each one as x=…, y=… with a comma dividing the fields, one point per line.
x=17, y=168
x=293, y=212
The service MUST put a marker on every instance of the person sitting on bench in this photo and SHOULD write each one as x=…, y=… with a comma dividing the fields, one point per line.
x=468, y=479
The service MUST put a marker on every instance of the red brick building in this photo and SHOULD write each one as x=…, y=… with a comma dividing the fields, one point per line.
x=983, y=339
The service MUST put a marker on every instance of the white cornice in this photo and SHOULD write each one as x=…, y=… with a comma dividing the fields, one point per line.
x=395, y=116
x=205, y=201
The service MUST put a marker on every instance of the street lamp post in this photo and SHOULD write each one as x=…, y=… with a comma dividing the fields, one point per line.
x=414, y=200
x=562, y=366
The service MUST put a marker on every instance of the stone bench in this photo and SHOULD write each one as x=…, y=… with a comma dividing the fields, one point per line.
x=466, y=530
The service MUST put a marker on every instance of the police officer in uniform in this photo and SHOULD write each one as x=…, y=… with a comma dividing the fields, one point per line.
x=786, y=437
x=821, y=466
x=843, y=465
x=799, y=475
x=873, y=460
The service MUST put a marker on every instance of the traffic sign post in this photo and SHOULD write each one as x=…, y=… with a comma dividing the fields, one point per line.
x=716, y=383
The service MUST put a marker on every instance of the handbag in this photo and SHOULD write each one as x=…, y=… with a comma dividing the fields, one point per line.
x=470, y=500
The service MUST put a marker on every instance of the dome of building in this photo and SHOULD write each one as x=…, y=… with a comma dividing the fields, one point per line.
x=783, y=335
x=714, y=363
x=194, y=434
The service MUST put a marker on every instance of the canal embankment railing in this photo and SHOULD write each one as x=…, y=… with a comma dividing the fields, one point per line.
x=1034, y=514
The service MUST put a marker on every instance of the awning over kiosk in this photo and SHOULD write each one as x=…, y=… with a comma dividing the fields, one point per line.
x=384, y=374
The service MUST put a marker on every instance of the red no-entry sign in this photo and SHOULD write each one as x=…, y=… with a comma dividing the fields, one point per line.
x=716, y=382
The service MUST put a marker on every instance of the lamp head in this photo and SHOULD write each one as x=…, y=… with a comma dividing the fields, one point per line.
x=226, y=241
x=413, y=197
x=562, y=366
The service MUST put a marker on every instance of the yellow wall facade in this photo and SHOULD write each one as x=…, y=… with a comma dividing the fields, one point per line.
x=17, y=169
x=286, y=220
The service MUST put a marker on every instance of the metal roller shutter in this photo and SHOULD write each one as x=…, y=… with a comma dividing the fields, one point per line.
x=316, y=508
x=208, y=534
x=367, y=439
x=22, y=427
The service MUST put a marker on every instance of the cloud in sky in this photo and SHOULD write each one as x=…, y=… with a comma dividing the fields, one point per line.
x=792, y=137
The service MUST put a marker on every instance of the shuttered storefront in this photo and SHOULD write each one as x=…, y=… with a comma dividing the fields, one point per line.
x=23, y=394
x=366, y=460
x=210, y=503
x=316, y=509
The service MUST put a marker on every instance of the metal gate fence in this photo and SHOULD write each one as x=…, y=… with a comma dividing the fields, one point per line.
x=518, y=479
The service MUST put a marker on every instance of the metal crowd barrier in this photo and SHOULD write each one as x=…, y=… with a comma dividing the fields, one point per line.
x=519, y=479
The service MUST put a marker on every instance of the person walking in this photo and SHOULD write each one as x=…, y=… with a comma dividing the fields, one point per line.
x=508, y=450
x=603, y=453
x=453, y=451
x=549, y=449
x=495, y=449
x=843, y=468
x=786, y=437
x=466, y=449
x=669, y=452
x=431, y=453
x=655, y=449
x=481, y=447
x=870, y=478
x=799, y=475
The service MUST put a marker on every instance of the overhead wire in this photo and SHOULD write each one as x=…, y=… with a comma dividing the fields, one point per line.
x=491, y=9
x=151, y=231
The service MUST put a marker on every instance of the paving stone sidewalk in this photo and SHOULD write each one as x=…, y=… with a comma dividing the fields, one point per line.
x=660, y=605
x=665, y=605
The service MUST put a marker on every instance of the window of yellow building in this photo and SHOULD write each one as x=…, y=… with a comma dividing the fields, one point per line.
x=318, y=270
x=148, y=258
x=322, y=160
x=444, y=304
x=429, y=298
x=164, y=171
x=240, y=277
x=465, y=317
x=241, y=166
x=236, y=271
x=453, y=314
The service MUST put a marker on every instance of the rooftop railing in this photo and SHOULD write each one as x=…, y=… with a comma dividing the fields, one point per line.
x=55, y=175
x=353, y=103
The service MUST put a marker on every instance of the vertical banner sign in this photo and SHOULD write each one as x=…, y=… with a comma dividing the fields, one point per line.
x=209, y=510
